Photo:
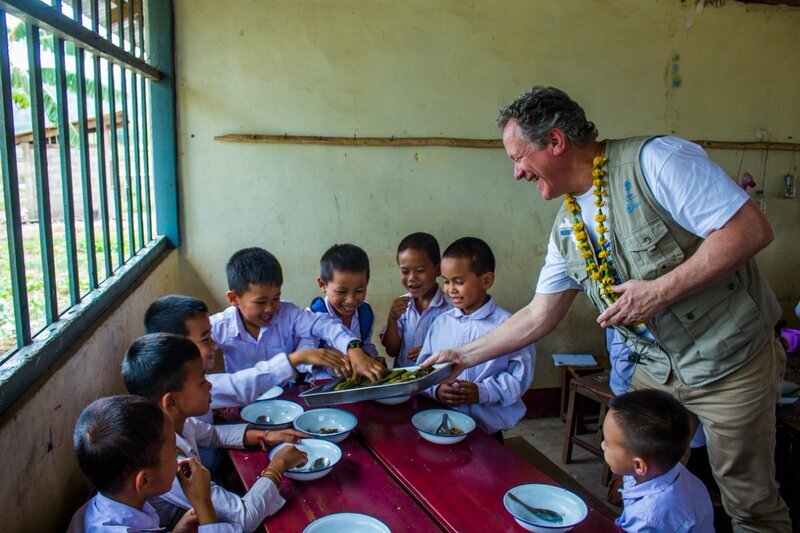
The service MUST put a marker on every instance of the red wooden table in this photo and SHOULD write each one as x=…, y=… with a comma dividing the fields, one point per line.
x=388, y=471
x=357, y=484
x=461, y=485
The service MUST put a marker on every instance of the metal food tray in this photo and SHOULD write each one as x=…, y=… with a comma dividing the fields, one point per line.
x=325, y=395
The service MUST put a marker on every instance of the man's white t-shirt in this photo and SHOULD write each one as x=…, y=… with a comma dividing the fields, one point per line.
x=693, y=189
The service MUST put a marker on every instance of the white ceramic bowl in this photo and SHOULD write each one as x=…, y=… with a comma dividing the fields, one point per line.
x=394, y=400
x=427, y=421
x=279, y=413
x=562, y=501
x=314, y=448
x=314, y=421
x=273, y=392
x=349, y=522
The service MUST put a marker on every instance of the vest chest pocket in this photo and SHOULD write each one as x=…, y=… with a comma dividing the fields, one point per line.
x=577, y=271
x=651, y=250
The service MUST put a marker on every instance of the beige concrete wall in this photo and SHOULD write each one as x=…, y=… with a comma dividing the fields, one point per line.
x=41, y=483
x=444, y=68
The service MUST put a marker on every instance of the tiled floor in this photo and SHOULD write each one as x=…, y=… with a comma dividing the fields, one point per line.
x=547, y=436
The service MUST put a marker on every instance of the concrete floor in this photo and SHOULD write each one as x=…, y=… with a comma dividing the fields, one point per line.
x=547, y=436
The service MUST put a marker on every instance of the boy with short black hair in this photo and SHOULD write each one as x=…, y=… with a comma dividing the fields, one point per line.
x=411, y=315
x=188, y=317
x=491, y=392
x=167, y=369
x=343, y=279
x=645, y=434
x=259, y=325
x=125, y=445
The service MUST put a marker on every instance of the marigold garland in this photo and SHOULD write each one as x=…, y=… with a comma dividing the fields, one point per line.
x=598, y=269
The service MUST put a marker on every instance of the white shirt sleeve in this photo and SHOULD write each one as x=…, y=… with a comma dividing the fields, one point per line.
x=553, y=276
x=233, y=389
x=248, y=511
x=216, y=436
x=698, y=194
x=506, y=387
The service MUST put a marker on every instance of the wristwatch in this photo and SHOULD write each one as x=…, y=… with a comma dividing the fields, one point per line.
x=355, y=343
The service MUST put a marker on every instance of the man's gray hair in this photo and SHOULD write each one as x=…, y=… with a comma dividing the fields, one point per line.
x=543, y=108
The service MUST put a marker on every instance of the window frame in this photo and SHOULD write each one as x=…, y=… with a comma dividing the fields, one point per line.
x=23, y=367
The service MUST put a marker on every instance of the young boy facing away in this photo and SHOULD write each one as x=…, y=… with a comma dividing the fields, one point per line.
x=645, y=434
x=491, y=392
x=188, y=317
x=259, y=325
x=125, y=445
x=168, y=370
x=343, y=279
x=412, y=314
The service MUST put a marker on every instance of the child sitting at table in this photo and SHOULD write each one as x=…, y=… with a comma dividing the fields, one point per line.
x=412, y=314
x=188, y=317
x=259, y=325
x=343, y=279
x=491, y=392
x=645, y=434
x=125, y=445
x=168, y=370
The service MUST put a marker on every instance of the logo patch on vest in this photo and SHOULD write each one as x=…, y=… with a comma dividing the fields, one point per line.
x=565, y=228
x=631, y=201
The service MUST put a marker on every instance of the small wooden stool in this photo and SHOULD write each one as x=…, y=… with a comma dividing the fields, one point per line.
x=568, y=373
x=594, y=387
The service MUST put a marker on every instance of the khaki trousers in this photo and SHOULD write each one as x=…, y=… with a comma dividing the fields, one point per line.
x=738, y=417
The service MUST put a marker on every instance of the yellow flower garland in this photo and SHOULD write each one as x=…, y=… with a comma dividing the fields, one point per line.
x=600, y=269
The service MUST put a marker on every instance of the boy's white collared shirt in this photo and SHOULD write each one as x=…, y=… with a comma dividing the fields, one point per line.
x=413, y=326
x=676, y=501
x=501, y=381
x=248, y=511
x=103, y=514
x=291, y=328
x=234, y=389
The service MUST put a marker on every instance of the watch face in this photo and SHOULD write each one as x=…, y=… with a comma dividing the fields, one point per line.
x=355, y=344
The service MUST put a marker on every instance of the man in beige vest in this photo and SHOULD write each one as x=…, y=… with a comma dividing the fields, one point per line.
x=662, y=242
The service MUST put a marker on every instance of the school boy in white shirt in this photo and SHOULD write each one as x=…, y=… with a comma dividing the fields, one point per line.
x=125, y=445
x=188, y=317
x=168, y=370
x=411, y=315
x=491, y=392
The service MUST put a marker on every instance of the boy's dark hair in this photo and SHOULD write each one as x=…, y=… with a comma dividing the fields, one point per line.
x=481, y=258
x=155, y=364
x=344, y=258
x=116, y=436
x=655, y=426
x=421, y=241
x=252, y=266
x=169, y=314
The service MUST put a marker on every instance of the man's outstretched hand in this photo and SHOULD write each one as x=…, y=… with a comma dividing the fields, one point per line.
x=443, y=356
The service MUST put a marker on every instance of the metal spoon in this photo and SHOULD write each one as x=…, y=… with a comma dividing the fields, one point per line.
x=444, y=427
x=544, y=514
x=319, y=464
x=263, y=419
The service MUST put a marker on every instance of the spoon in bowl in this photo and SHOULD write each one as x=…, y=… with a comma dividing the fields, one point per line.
x=318, y=464
x=444, y=427
x=544, y=514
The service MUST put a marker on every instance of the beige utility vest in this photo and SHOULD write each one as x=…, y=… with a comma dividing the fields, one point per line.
x=705, y=335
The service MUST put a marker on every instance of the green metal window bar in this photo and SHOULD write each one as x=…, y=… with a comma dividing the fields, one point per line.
x=110, y=235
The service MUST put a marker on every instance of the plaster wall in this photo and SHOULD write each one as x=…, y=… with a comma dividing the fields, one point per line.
x=444, y=68
x=41, y=482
